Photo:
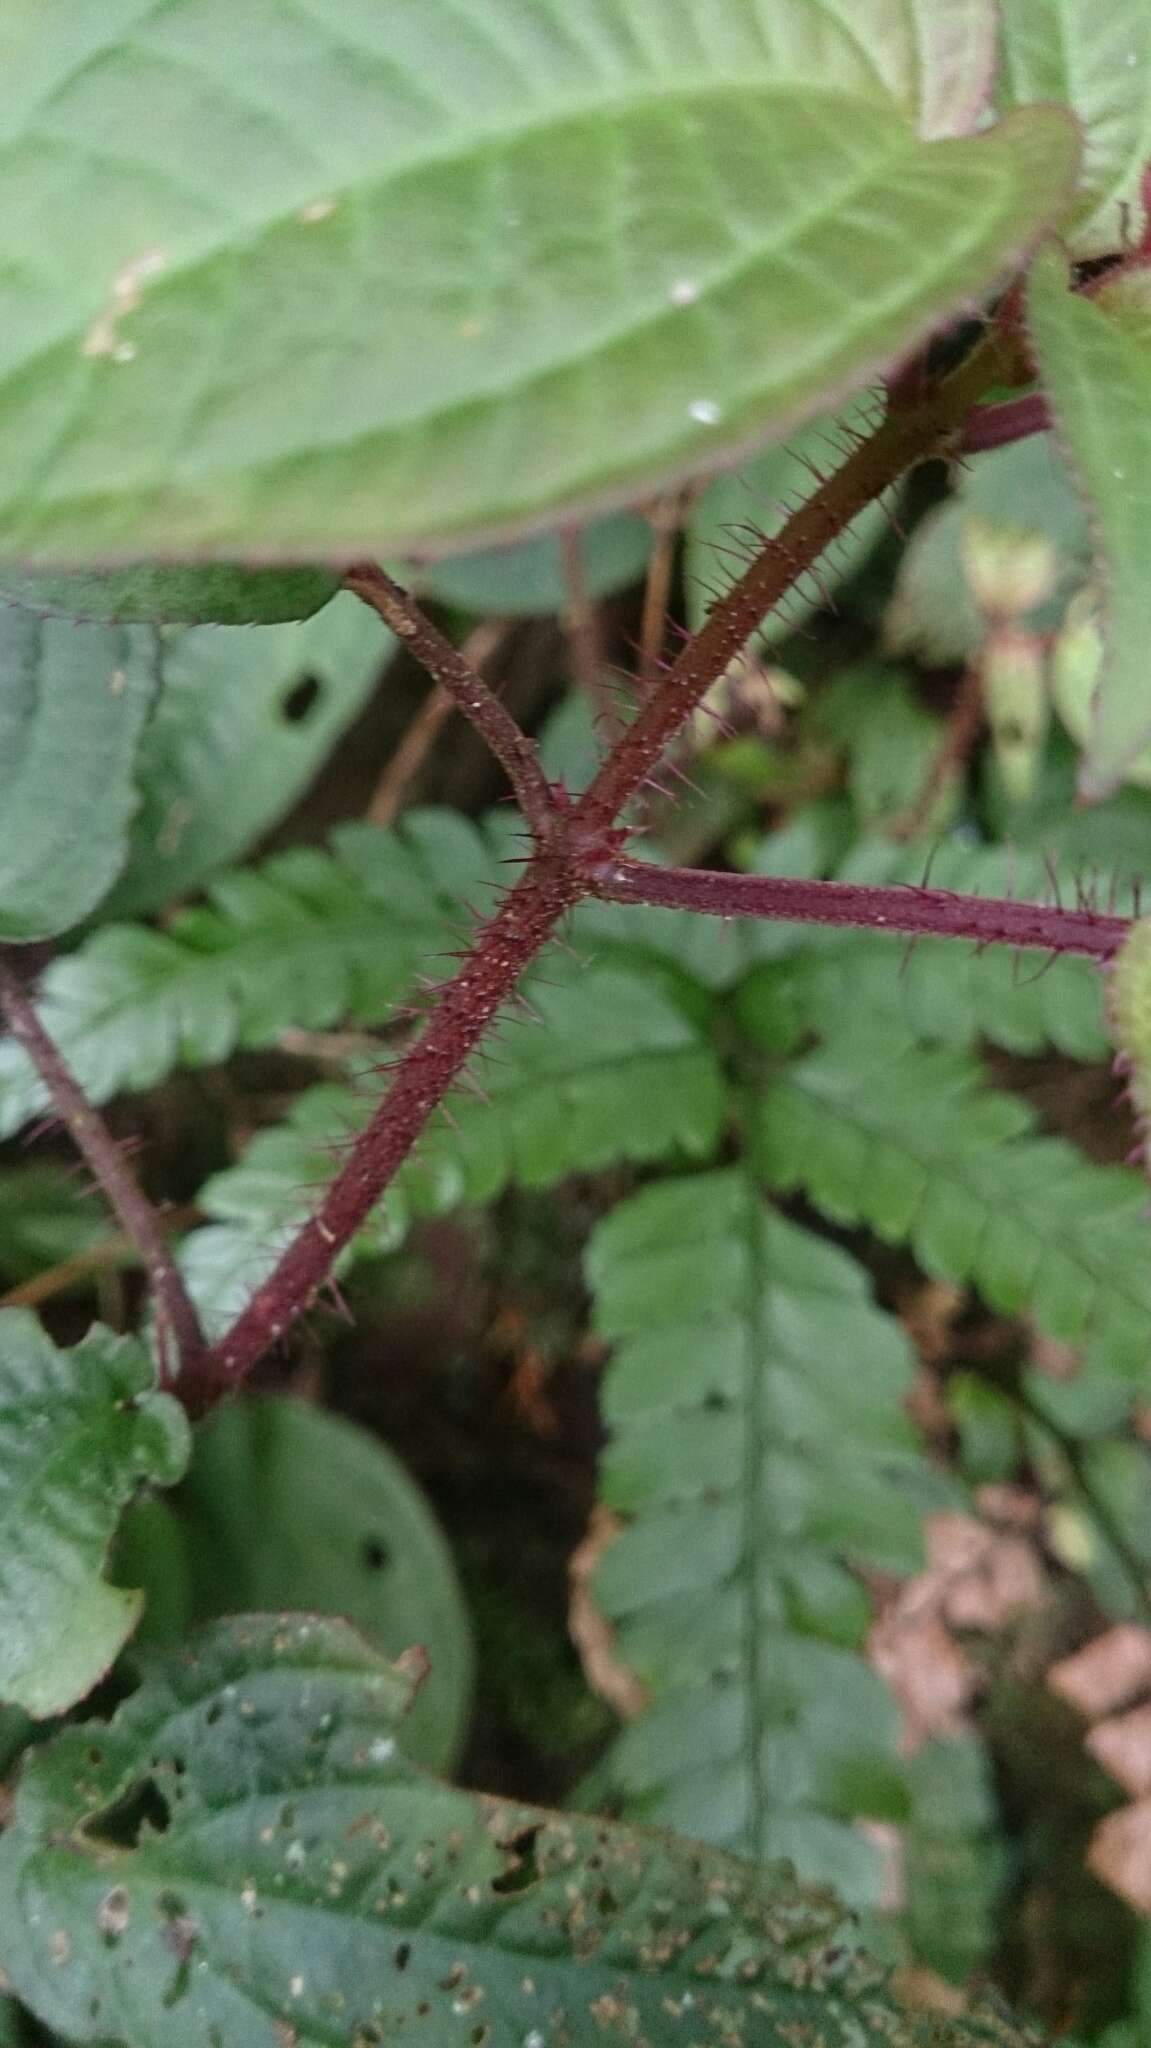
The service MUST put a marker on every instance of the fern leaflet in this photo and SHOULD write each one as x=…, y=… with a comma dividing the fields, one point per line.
x=757, y=1444
x=617, y=1071
x=908, y=1140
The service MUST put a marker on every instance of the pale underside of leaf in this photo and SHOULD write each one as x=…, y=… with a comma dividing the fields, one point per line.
x=1097, y=60
x=1096, y=370
x=73, y=701
x=241, y=725
x=317, y=284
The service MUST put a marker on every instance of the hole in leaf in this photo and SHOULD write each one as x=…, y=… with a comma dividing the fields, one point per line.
x=122, y=1825
x=522, y=1869
x=298, y=703
x=375, y=1554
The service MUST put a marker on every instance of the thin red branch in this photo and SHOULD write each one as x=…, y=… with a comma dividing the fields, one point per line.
x=467, y=688
x=506, y=945
x=905, y=909
x=570, y=843
x=904, y=438
x=178, y=1325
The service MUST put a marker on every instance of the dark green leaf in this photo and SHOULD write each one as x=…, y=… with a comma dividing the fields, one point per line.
x=284, y=1502
x=73, y=700
x=242, y=1857
x=80, y=1431
x=191, y=594
x=46, y=1217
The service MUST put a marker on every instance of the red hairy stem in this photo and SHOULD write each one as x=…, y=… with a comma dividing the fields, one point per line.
x=905, y=908
x=571, y=842
x=506, y=945
x=467, y=688
x=904, y=438
x=177, y=1322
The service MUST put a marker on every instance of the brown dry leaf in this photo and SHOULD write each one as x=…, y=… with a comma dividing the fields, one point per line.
x=591, y=1632
x=1053, y=1358
x=988, y=1575
x=1120, y=1854
x=932, y=1678
x=1011, y=1507
x=1110, y=1673
x=1122, y=1745
x=977, y=1578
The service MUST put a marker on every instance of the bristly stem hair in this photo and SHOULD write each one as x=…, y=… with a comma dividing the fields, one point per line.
x=577, y=851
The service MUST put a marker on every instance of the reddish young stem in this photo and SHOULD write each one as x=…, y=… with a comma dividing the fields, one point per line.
x=906, y=909
x=177, y=1321
x=466, y=1007
x=467, y=688
x=571, y=842
x=905, y=438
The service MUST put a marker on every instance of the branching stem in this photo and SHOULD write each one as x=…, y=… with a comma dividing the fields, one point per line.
x=905, y=909
x=181, y=1341
x=574, y=842
x=467, y=688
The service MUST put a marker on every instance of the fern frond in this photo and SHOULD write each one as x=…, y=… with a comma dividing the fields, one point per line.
x=617, y=1072
x=307, y=940
x=908, y=1140
x=758, y=1444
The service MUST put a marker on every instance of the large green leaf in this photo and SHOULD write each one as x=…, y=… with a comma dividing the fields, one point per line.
x=317, y=285
x=244, y=719
x=284, y=1502
x=73, y=700
x=1098, y=61
x=1094, y=356
x=758, y=1444
x=905, y=1139
x=80, y=1431
x=242, y=1857
x=613, y=1070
